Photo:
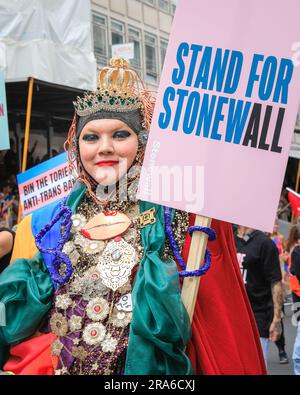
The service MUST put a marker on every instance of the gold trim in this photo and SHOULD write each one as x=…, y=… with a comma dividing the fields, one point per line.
x=147, y=217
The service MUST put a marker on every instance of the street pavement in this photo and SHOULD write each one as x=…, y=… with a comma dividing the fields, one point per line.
x=274, y=367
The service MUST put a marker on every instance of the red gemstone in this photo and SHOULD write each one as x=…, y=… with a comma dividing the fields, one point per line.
x=94, y=333
x=97, y=309
x=117, y=239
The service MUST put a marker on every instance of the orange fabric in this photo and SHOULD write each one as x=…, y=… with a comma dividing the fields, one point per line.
x=225, y=337
x=294, y=283
x=24, y=245
x=32, y=357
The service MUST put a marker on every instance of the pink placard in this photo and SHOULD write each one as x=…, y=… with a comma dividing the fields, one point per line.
x=226, y=110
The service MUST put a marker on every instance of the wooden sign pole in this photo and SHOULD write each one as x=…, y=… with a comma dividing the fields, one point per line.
x=195, y=260
x=26, y=137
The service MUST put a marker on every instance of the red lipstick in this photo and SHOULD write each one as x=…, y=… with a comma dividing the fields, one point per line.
x=85, y=234
x=107, y=163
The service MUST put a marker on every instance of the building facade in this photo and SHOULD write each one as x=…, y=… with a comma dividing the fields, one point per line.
x=145, y=23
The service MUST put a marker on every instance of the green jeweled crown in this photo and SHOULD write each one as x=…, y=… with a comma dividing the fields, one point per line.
x=106, y=101
x=118, y=90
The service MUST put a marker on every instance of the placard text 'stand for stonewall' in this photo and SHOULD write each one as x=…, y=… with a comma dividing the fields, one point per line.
x=211, y=76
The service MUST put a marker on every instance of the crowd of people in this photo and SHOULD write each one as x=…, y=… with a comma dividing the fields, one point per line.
x=270, y=266
x=94, y=284
x=9, y=168
x=8, y=204
x=284, y=211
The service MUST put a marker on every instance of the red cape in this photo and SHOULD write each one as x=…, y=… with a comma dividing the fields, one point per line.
x=225, y=336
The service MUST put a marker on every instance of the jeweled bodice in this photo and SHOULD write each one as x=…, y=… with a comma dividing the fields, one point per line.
x=92, y=312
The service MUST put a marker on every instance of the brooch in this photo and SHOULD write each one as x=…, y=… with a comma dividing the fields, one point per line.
x=147, y=217
x=116, y=263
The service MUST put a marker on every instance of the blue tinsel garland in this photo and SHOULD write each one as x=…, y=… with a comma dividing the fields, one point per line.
x=64, y=216
x=174, y=246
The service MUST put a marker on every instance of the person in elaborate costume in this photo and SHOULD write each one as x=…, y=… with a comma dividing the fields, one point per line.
x=94, y=287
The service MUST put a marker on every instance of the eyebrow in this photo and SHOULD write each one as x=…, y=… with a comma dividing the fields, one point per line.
x=90, y=131
x=114, y=131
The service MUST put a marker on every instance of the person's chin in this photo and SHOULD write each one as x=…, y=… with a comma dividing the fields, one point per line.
x=110, y=176
x=108, y=182
x=106, y=177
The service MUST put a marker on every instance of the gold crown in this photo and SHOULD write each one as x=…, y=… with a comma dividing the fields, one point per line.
x=118, y=90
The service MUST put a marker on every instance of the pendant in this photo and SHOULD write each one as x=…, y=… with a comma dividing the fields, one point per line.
x=116, y=263
x=105, y=226
x=125, y=303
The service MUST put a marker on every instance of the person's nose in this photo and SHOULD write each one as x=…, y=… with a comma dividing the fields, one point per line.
x=106, y=146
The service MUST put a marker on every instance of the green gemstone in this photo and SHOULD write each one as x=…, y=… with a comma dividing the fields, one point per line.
x=112, y=100
x=89, y=103
x=100, y=99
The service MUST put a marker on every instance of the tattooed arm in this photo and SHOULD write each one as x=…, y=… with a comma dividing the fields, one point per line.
x=277, y=295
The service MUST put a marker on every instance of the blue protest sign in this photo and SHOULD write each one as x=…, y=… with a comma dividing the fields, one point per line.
x=44, y=184
x=4, y=135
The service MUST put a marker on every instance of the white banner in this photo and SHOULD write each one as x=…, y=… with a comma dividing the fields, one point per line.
x=123, y=50
x=49, y=40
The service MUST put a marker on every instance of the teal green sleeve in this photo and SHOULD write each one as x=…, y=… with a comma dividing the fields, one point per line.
x=26, y=288
x=26, y=292
x=160, y=328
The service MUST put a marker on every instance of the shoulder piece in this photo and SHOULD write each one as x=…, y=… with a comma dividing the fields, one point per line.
x=44, y=215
